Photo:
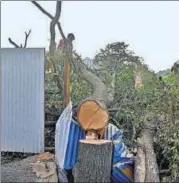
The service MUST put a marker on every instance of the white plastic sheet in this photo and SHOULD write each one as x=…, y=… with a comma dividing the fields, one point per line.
x=61, y=134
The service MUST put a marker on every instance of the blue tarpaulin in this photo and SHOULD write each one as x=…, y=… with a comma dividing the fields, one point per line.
x=67, y=147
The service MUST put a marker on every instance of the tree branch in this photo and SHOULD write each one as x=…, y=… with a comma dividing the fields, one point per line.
x=55, y=20
x=50, y=16
x=52, y=27
x=42, y=10
x=26, y=37
x=25, y=43
x=61, y=31
x=13, y=43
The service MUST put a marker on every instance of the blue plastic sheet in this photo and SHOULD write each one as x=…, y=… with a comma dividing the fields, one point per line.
x=67, y=152
x=122, y=170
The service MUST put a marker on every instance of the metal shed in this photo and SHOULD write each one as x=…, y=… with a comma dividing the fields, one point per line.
x=22, y=99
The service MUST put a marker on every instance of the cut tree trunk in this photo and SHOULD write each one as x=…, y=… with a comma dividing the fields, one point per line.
x=92, y=116
x=92, y=113
x=146, y=144
x=152, y=173
x=139, y=168
x=94, y=161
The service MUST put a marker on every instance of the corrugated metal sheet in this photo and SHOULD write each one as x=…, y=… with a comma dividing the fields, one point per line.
x=22, y=92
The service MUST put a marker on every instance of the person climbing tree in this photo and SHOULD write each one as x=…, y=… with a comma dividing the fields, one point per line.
x=70, y=39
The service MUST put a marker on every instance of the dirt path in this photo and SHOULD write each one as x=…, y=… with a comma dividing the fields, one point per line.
x=18, y=171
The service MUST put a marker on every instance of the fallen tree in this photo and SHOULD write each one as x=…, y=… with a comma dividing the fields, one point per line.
x=146, y=168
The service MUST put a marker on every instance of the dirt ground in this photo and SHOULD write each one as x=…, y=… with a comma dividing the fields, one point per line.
x=18, y=171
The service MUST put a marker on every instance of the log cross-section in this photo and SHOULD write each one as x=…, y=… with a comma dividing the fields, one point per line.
x=94, y=161
x=92, y=116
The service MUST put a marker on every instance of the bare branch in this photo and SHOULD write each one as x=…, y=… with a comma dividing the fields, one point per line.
x=61, y=31
x=25, y=44
x=52, y=27
x=13, y=43
x=26, y=37
x=52, y=39
x=50, y=16
x=42, y=10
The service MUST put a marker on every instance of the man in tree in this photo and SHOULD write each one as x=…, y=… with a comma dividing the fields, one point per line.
x=61, y=46
x=70, y=39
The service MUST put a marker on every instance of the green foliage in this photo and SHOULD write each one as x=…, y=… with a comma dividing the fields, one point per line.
x=80, y=89
x=155, y=95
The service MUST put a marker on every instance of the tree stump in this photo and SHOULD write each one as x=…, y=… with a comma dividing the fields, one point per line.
x=94, y=161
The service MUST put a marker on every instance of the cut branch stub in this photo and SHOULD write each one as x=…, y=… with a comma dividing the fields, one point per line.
x=91, y=115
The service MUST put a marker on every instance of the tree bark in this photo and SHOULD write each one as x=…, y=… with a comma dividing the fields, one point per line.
x=152, y=172
x=94, y=161
x=146, y=144
x=99, y=88
x=139, y=166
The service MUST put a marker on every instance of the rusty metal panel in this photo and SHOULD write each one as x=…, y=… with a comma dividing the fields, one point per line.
x=22, y=105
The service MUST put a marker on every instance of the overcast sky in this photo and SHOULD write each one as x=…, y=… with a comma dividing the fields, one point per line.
x=151, y=28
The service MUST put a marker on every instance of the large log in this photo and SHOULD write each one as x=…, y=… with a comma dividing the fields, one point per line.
x=149, y=170
x=152, y=172
x=139, y=166
x=94, y=161
x=92, y=116
x=92, y=113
